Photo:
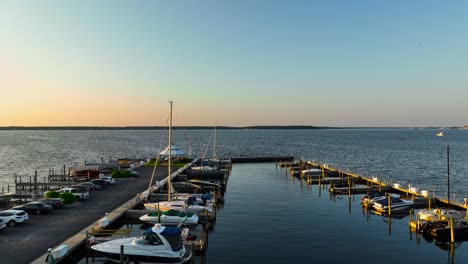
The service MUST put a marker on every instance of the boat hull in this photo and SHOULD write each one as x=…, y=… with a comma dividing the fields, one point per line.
x=129, y=258
x=169, y=220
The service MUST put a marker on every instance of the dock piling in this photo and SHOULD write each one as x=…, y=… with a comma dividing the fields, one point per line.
x=389, y=206
x=122, y=258
x=452, y=233
x=192, y=259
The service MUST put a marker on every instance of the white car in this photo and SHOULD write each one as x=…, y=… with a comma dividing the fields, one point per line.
x=13, y=217
x=79, y=194
x=108, y=179
x=134, y=173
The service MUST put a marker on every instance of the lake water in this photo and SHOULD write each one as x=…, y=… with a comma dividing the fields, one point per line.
x=270, y=217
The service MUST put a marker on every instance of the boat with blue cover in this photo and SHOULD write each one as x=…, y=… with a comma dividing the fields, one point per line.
x=158, y=244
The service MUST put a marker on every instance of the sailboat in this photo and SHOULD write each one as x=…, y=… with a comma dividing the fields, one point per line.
x=209, y=164
x=176, y=205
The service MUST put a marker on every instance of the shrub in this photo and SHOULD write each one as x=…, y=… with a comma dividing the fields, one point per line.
x=68, y=198
x=116, y=174
x=52, y=194
x=126, y=174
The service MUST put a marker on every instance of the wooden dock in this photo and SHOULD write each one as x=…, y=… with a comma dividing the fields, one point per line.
x=262, y=159
x=345, y=182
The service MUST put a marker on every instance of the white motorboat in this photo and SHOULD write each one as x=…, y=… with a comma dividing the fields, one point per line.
x=440, y=134
x=396, y=204
x=180, y=205
x=368, y=198
x=371, y=197
x=171, y=217
x=158, y=244
x=203, y=168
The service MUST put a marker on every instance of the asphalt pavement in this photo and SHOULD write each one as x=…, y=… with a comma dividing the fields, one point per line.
x=26, y=242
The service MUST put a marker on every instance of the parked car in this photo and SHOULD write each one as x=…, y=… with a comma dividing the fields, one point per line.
x=134, y=173
x=54, y=202
x=12, y=217
x=80, y=194
x=2, y=224
x=100, y=182
x=108, y=179
x=81, y=188
x=92, y=186
x=34, y=208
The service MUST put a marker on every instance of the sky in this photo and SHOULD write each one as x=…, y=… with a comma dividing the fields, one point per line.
x=234, y=63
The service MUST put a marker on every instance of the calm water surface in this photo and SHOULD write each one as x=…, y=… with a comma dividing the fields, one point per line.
x=406, y=156
x=270, y=217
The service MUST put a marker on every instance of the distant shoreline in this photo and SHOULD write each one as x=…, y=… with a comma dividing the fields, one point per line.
x=200, y=127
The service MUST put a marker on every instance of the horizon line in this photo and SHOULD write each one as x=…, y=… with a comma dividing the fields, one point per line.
x=217, y=127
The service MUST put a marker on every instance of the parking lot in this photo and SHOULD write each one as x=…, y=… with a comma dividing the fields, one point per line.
x=26, y=242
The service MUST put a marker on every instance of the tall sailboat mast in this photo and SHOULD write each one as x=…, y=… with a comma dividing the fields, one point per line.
x=169, y=156
x=214, y=141
x=448, y=177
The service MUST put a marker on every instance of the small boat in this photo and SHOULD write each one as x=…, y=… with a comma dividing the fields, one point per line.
x=180, y=205
x=171, y=217
x=158, y=244
x=441, y=230
x=396, y=204
x=439, y=214
x=366, y=199
x=440, y=134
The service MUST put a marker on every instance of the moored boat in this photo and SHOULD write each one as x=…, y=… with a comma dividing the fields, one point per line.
x=439, y=214
x=180, y=205
x=366, y=199
x=171, y=217
x=159, y=244
x=396, y=204
x=440, y=230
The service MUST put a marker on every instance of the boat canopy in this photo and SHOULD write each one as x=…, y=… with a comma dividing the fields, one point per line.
x=174, y=237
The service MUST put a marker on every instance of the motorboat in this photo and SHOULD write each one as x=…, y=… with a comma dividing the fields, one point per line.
x=373, y=196
x=439, y=214
x=171, y=217
x=179, y=205
x=440, y=230
x=396, y=204
x=158, y=244
x=440, y=134
x=205, y=183
x=366, y=199
x=313, y=171
x=203, y=168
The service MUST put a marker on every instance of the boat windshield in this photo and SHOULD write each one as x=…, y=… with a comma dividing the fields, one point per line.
x=148, y=238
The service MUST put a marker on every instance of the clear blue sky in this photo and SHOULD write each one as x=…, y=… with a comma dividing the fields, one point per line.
x=324, y=63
